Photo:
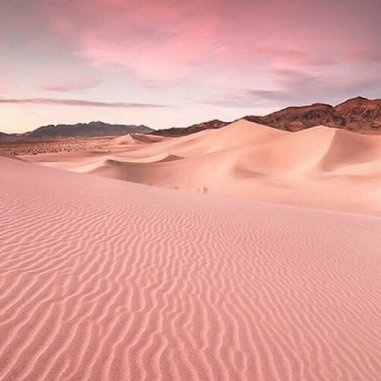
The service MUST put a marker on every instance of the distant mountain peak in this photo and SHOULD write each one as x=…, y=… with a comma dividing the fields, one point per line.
x=354, y=102
x=359, y=98
x=361, y=110
x=306, y=108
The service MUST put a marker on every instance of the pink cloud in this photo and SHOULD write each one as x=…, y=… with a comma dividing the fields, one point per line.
x=155, y=40
x=161, y=41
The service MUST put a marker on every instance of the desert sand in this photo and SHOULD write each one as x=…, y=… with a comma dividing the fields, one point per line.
x=320, y=167
x=104, y=279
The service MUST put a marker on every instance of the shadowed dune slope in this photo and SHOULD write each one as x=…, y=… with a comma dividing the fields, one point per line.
x=108, y=280
x=348, y=148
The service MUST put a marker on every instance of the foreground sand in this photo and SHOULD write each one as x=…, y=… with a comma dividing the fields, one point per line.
x=320, y=167
x=107, y=280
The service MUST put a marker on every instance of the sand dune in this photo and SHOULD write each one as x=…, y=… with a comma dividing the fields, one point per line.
x=237, y=134
x=313, y=167
x=136, y=138
x=207, y=141
x=109, y=280
x=125, y=139
x=349, y=149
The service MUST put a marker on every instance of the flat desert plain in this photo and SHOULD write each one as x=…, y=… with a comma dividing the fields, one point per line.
x=263, y=264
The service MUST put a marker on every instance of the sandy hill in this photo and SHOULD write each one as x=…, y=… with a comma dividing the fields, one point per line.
x=234, y=135
x=312, y=167
x=136, y=138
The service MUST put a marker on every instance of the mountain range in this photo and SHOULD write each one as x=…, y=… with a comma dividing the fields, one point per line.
x=357, y=114
x=91, y=129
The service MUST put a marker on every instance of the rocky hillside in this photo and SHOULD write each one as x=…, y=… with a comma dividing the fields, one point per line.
x=357, y=114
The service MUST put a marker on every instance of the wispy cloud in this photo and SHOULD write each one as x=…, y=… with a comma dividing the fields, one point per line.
x=299, y=87
x=78, y=102
x=293, y=87
x=75, y=85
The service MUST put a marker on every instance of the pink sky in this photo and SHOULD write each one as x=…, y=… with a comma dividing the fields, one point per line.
x=173, y=63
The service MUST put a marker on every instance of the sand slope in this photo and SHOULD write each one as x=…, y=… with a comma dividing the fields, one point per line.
x=107, y=280
x=313, y=167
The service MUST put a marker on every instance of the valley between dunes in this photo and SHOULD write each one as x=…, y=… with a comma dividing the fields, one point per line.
x=102, y=279
x=320, y=167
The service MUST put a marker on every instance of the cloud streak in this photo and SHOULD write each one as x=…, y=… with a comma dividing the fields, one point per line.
x=78, y=102
x=67, y=87
x=294, y=87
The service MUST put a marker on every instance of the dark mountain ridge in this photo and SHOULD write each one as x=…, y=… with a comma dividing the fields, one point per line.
x=92, y=129
x=357, y=114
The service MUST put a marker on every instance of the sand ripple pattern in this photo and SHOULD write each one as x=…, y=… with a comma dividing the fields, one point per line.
x=105, y=280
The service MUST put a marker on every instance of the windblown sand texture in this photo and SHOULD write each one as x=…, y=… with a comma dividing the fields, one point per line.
x=313, y=167
x=109, y=280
